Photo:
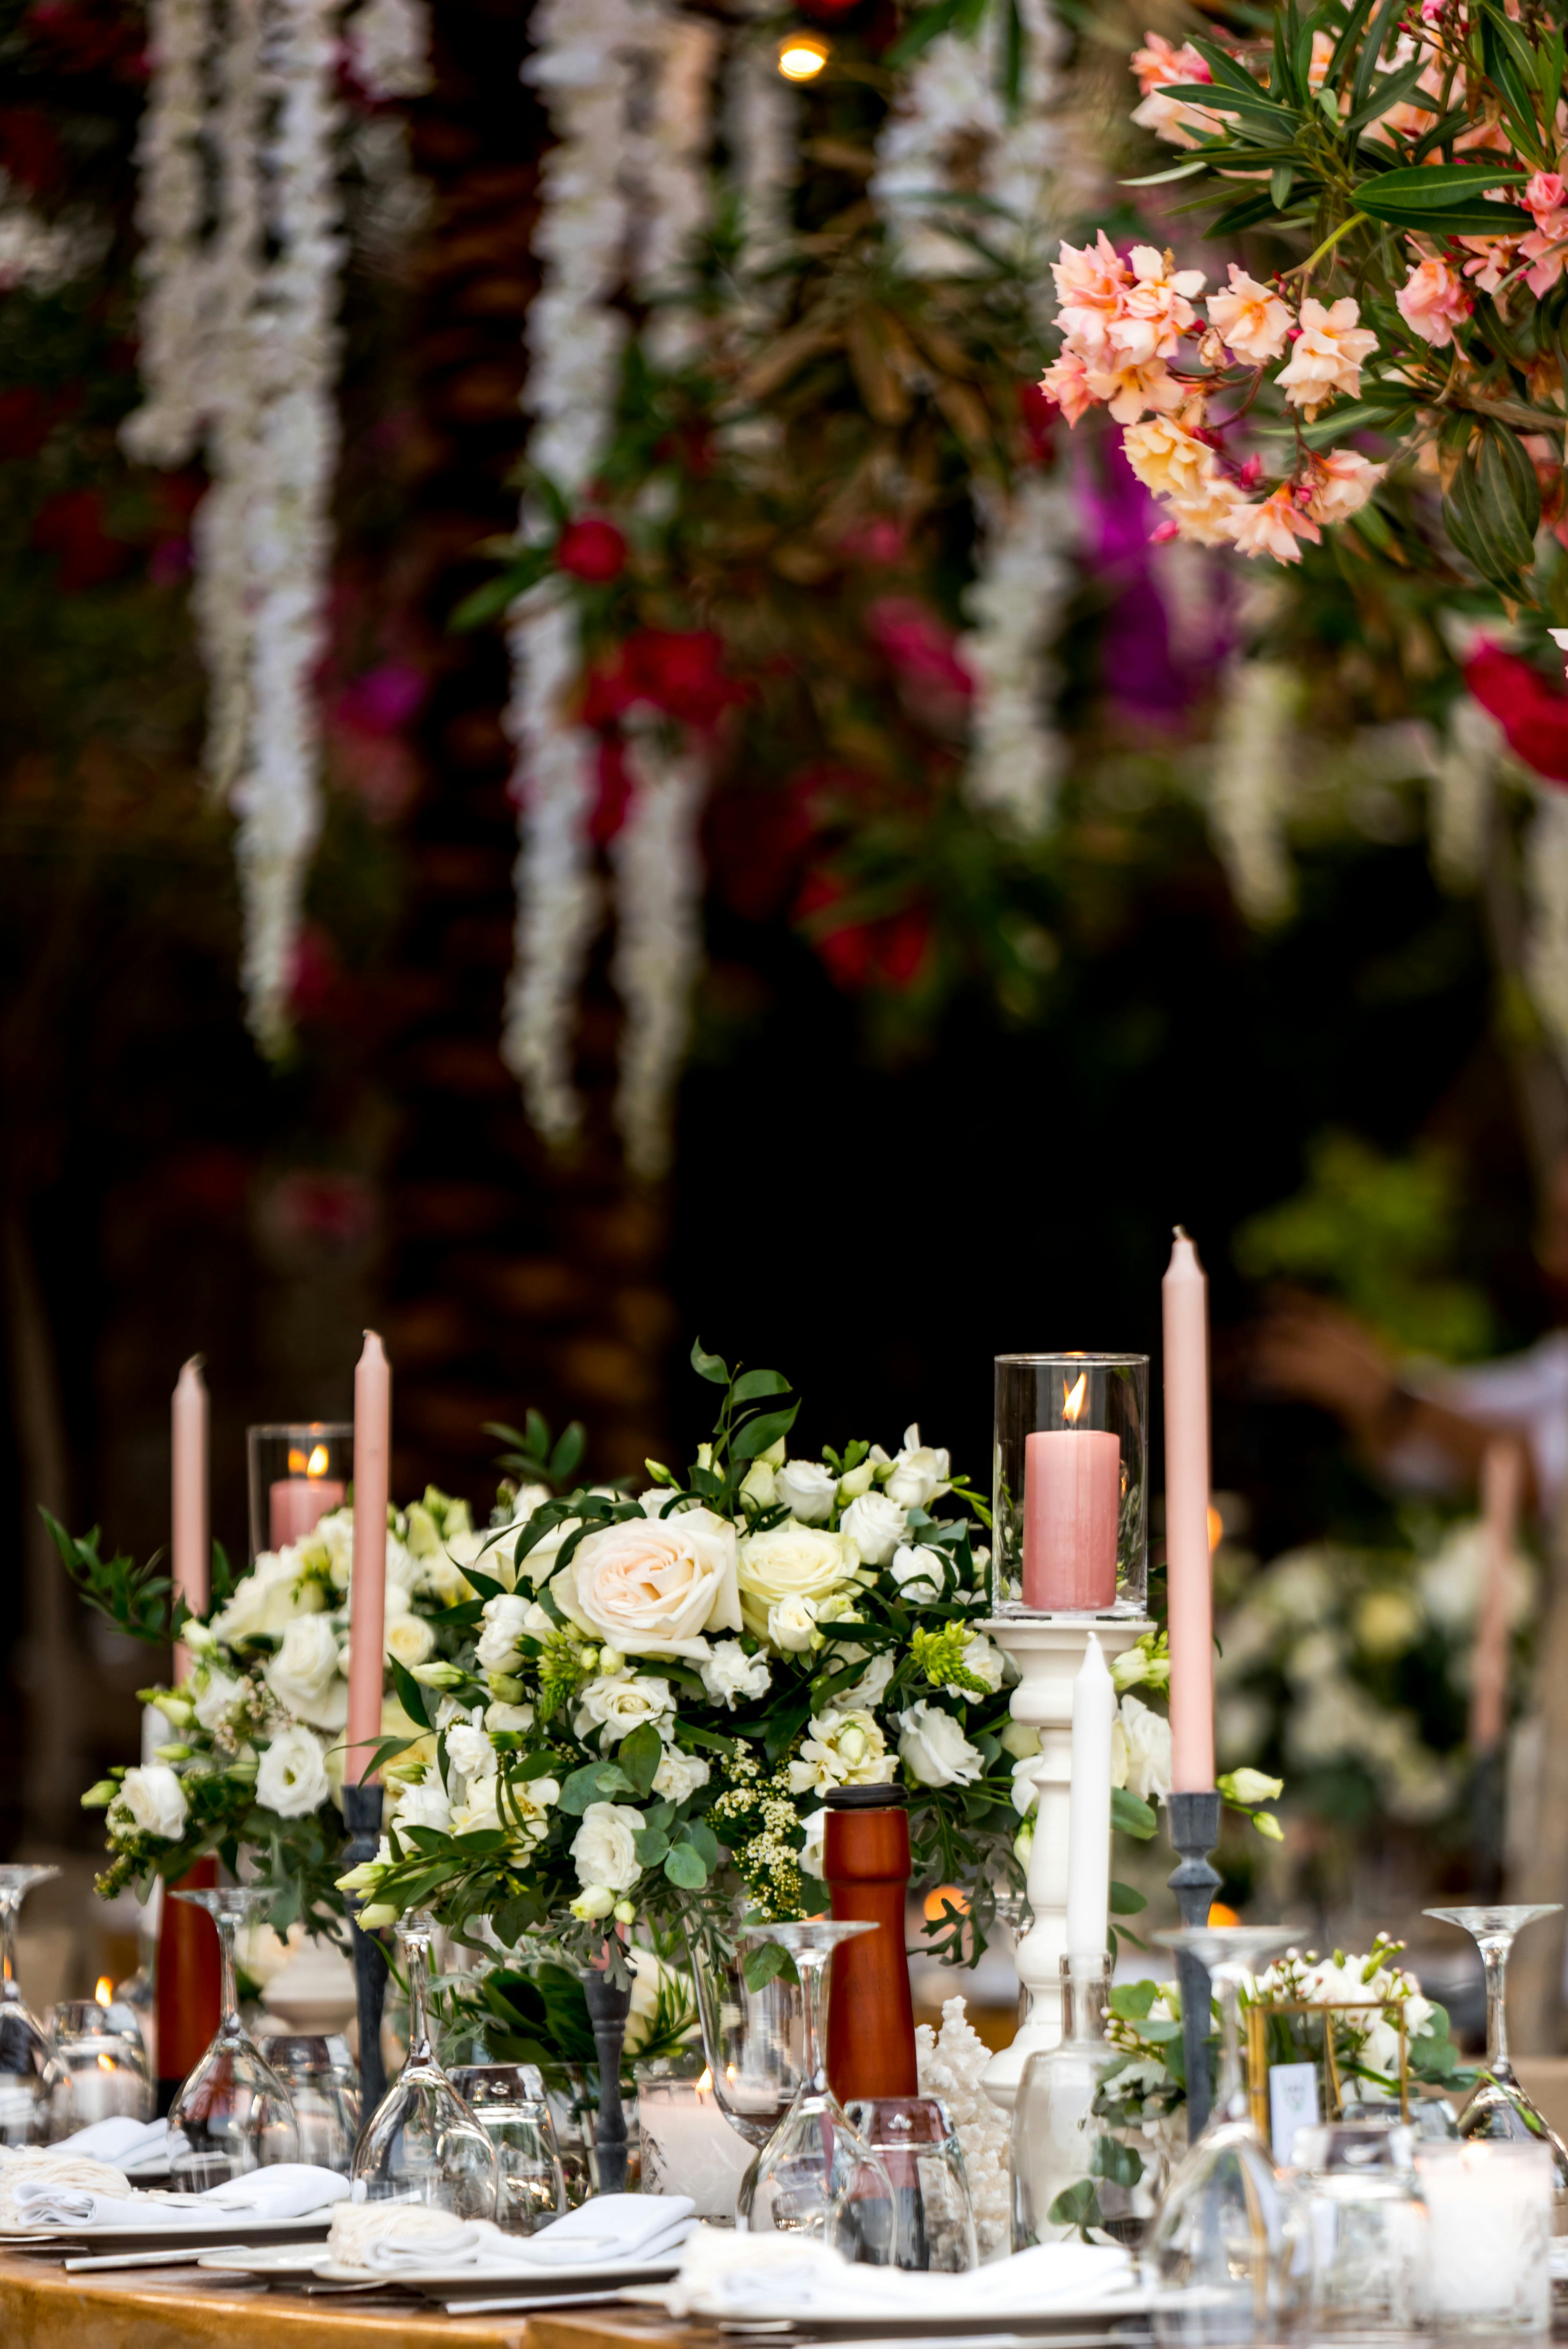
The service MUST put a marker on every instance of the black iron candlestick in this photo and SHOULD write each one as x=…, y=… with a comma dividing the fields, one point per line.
x=362, y=1815
x=608, y=2009
x=1195, y=1832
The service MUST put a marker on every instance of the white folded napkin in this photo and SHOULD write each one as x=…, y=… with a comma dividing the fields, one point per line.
x=288, y=2189
x=46, y=2168
x=749, y=2275
x=128, y=2143
x=395, y=2238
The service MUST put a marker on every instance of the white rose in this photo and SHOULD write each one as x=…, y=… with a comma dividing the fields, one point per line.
x=602, y=1846
x=844, y=1749
x=918, y=1569
x=810, y=1854
x=866, y=1693
x=985, y=1660
x=155, y=1801
x=617, y=1702
x=291, y=1778
x=424, y=1805
x=729, y=1673
x=505, y=1623
x=807, y=1489
x=264, y=1602
x=304, y=1677
x=408, y=1639
x=441, y=1572
x=791, y=1562
x=792, y=1624
x=935, y=1750
x=470, y=1750
x=680, y=1775
x=215, y=1700
x=333, y=1537
x=509, y=1717
x=1141, y=1751
x=403, y=1568
x=652, y=1587
x=919, y=1475
x=876, y=1525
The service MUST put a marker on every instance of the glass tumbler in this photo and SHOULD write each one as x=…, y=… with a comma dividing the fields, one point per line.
x=1368, y=2226
x=509, y=2103
x=933, y=2226
x=101, y=2068
x=320, y=2075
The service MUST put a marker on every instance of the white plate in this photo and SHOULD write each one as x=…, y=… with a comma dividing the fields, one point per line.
x=228, y=2226
x=278, y=2261
x=612, y=2273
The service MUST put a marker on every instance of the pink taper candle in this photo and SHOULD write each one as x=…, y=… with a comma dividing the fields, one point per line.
x=367, y=1591
x=1501, y=1482
x=191, y=1550
x=1185, y=1296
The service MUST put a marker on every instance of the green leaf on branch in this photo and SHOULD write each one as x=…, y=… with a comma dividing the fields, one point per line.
x=1076, y=2206
x=711, y=1367
x=639, y=1757
x=1132, y=1815
x=751, y=1385
x=411, y=1695
x=1117, y=2164
x=1131, y=2001
x=762, y=1963
x=759, y=1435
x=684, y=1867
x=1125, y=1901
x=597, y=1782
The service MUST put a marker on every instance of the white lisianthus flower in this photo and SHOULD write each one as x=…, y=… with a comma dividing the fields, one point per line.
x=865, y=1694
x=1141, y=1751
x=470, y=1750
x=481, y=1807
x=424, y=1805
x=514, y=1717
x=843, y=1749
x=152, y=1800
x=680, y=1775
x=332, y=1538
x=935, y=1750
x=792, y=1625
x=290, y=1777
x=876, y=1525
x=919, y=1570
x=594, y=1900
x=856, y=1482
x=983, y=1658
x=531, y=1803
x=1028, y=1780
x=759, y=1486
x=1249, y=1786
x=652, y=1587
x=810, y=1853
x=266, y=1600
x=919, y=1475
x=305, y=1675
x=408, y=1639
x=791, y=1562
x=617, y=1702
x=807, y=1489
x=215, y=1698
x=1019, y=1738
x=603, y=1849
x=729, y=1673
x=505, y=1621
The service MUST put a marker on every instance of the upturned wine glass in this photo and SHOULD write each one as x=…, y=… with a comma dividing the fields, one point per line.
x=817, y=2175
x=1498, y=2105
x=233, y=2114
x=422, y=2144
x=1231, y=2236
x=29, y=2073
x=750, y=2038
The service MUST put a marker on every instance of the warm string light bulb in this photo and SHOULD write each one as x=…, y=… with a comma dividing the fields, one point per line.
x=801, y=55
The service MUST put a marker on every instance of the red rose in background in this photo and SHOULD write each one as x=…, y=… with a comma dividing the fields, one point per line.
x=1531, y=711
x=891, y=952
x=677, y=670
x=1038, y=414
x=614, y=794
x=593, y=550
x=70, y=527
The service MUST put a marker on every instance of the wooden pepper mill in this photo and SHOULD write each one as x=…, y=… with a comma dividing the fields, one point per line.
x=186, y=1984
x=871, y=2016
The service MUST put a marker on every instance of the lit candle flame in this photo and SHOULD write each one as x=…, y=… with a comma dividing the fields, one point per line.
x=106, y=2062
x=1073, y=1398
x=1216, y=1528
x=705, y=2086
x=316, y=1464
x=105, y=1990
x=802, y=57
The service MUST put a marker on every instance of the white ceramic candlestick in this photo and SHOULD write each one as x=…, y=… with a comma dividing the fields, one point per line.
x=1048, y=1650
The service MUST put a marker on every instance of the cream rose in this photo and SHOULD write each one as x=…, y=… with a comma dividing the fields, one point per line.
x=791, y=1562
x=509, y=1717
x=807, y=1489
x=603, y=1849
x=617, y=1702
x=304, y=1677
x=266, y=1602
x=153, y=1801
x=729, y=1673
x=652, y=1587
x=680, y=1775
x=935, y=1750
x=408, y=1639
x=792, y=1625
x=876, y=1525
x=291, y=1778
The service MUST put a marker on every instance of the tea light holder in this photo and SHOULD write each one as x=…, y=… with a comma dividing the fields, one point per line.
x=1070, y=1485
x=299, y=1470
x=688, y=2146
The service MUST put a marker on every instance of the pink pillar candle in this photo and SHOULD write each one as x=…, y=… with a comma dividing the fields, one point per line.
x=1072, y=1503
x=295, y=1505
x=191, y=1551
x=367, y=1589
x=1185, y=1299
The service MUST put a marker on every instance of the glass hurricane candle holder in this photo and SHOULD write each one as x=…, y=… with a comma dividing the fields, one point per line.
x=298, y=1470
x=688, y=2146
x=102, y=2067
x=1070, y=1485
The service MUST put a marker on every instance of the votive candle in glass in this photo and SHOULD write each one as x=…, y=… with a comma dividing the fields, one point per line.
x=1070, y=1484
x=300, y=1472
x=1489, y=2206
x=688, y=2146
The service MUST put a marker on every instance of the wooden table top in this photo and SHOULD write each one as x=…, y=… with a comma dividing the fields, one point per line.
x=42, y=2307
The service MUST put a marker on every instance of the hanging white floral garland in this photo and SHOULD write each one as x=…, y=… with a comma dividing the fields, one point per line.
x=659, y=943
x=1258, y=704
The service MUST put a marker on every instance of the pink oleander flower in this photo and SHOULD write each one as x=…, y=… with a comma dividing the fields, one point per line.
x=1168, y=459
x=1433, y=301
x=1156, y=309
x=1276, y=527
x=1208, y=518
x=1157, y=65
x=1091, y=280
x=1342, y=482
x=1328, y=355
x=1545, y=248
x=1128, y=392
x=1251, y=318
x=1495, y=256
x=1323, y=45
x=1544, y=195
x=1064, y=382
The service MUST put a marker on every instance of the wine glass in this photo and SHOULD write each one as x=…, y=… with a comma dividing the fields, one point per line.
x=750, y=2038
x=233, y=2114
x=1498, y=2105
x=29, y=2072
x=816, y=2175
x=422, y=2144
x=1230, y=2234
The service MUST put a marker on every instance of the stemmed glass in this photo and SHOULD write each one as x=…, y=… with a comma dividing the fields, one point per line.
x=816, y=2175
x=1230, y=2234
x=750, y=2038
x=28, y=2071
x=422, y=2144
x=233, y=2114
x=1498, y=2105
